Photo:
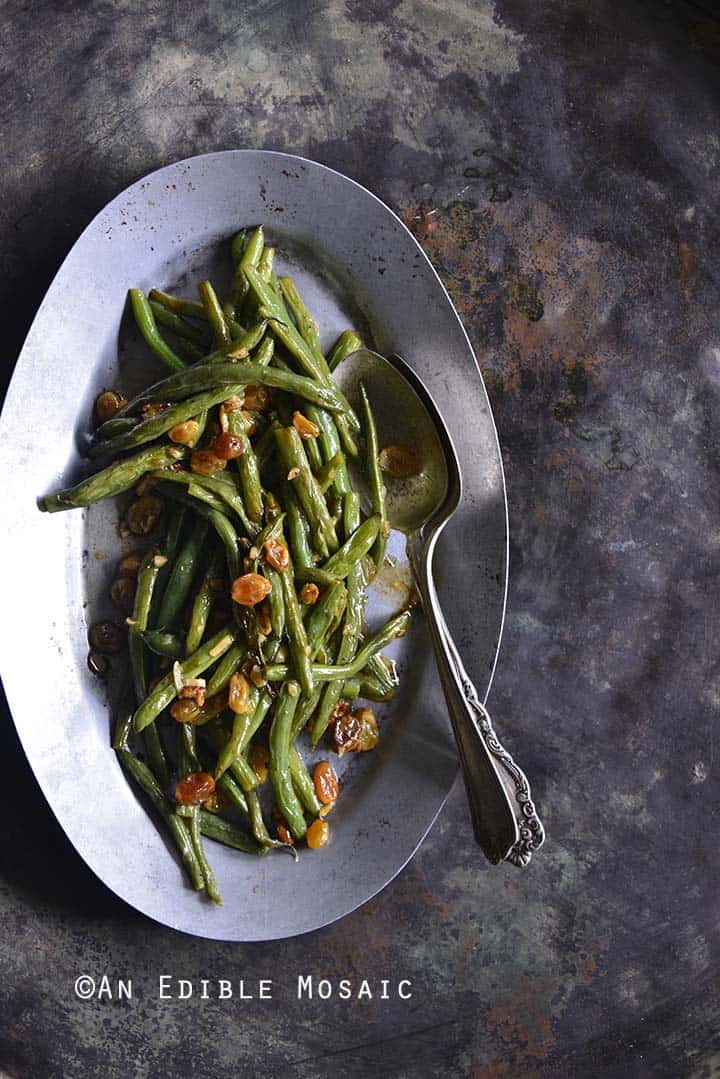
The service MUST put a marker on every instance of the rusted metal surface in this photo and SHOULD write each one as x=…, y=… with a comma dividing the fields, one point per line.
x=559, y=163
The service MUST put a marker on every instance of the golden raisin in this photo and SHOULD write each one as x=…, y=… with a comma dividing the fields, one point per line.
x=309, y=593
x=106, y=637
x=398, y=461
x=130, y=564
x=256, y=398
x=122, y=593
x=305, y=427
x=239, y=695
x=227, y=447
x=259, y=758
x=184, y=433
x=250, y=589
x=194, y=789
x=276, y=554
x=206, y=463
x=107, y=404
x=355, y=732
x=326, y=782
x=317, y=834
x=144, y=514
x=184, y=711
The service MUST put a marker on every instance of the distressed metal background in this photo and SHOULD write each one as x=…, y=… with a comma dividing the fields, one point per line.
x=559, y=163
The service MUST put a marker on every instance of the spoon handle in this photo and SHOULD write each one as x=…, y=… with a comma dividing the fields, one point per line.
x=505, y=821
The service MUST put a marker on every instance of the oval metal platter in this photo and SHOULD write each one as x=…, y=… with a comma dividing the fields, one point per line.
x=356, y=265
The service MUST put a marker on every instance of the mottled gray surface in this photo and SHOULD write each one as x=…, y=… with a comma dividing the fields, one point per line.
x=559, y=162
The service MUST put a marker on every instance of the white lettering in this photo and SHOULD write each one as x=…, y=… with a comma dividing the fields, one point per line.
x=104, y=988
x=204, y=983
x=124, y=989
x=364, y=990
x=184, y=993
x=164, y=984
x=345, y=989
x=265, y=988
x=225, y=988
x=324, y=989
x=305, y=986
x=401, y=994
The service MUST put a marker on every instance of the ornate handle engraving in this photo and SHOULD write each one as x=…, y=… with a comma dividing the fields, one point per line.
x=532, y=833
x=504, y=817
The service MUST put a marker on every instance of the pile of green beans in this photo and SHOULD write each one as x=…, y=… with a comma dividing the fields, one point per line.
x=241, y=451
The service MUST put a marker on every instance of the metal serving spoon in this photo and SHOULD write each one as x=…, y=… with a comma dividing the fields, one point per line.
x=505, y=821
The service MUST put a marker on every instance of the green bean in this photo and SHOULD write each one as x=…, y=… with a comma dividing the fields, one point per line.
x=330, y=446
x=235, y=795
x=147, y=783
x=252, y=337
x=315, y=574
x=202, y=604
x=264, y=352
x=295, y=465
x=192, y=815
x=225, y=669
x=347, y=343
x=222, y=831
x=353, y=550
x=258, y=824
x=297, y=636
x=324, y=615
x=303, y=783
x=123, y=725
x=189, y=760
x=326, y=474
x=253, y=248
x=309, y=333
x=383, y=670
x=116, y=426
x=148, y=328
x=158, y=425
x=181, y=577
x=228, y=758
x=377, y=487
x=303, y=320
x=173, y=535
x=164, y=692
x=214, y=312
x=224, y=494
x=276, y=602
x=368, y=688
x=179, y=326
x=265, y=265
x=164, y=644
x=146, y=580
x=247, y=467
x=279, y=765
x=113, y=480
x=220, y=522
x=186, y=308
x=237, y=245
x=283, y=327
x=298, y=530
x=305, y=710
x=353, y=621
x=208, y=377
x=327, y=672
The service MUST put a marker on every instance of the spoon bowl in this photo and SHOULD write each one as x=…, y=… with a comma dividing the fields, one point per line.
x=419, y=503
